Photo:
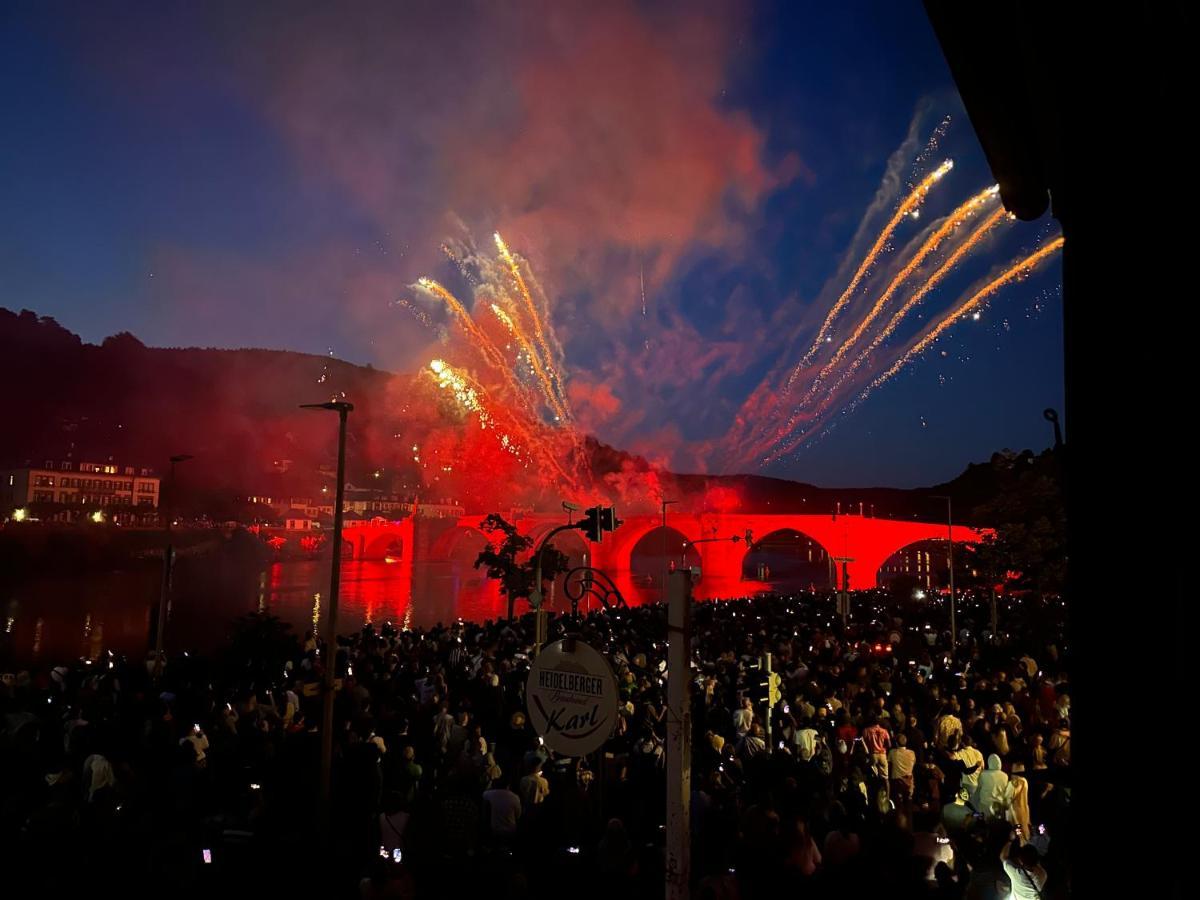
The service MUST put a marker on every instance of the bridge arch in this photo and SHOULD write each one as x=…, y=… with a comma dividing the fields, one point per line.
x=925, y=562
x=658, y=551
x=461, y=543
x=572, y=543
x=388, y=545
x=789, y=555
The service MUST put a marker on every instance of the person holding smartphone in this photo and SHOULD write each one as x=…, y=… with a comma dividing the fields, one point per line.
x=1022, y=864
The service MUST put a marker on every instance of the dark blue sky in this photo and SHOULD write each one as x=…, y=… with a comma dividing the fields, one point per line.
x=276, y=176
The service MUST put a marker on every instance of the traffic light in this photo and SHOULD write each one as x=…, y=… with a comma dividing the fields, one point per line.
x=590, y=525
x=608, y=518
x=597, y=520
x=773, y=692
x=772, y=681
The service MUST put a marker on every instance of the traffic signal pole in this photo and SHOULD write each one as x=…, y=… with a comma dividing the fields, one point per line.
x=771, y=683
x=598, y=520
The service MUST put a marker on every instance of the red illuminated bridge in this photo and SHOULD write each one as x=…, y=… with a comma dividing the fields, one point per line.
x=868, y=541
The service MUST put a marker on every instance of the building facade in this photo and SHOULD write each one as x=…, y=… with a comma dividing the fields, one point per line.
x=66, y=485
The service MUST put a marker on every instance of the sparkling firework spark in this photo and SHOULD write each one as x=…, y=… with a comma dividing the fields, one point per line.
x=531, y=308
x=514, y=436
x=985, y=227
x=981, y=231
x=419, y=314
x=931, y=148
x=909, y=204
x=935, y=240
x=561, y=413
x=492, y=354
x=510, y=407
x=1014, y=272
x=768, y=426
x=505, y=319
x=971, y=242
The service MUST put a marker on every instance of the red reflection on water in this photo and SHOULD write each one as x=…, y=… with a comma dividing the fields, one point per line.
x=68, y=617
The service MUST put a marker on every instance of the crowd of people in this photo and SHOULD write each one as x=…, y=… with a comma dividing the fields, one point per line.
x=894, y=765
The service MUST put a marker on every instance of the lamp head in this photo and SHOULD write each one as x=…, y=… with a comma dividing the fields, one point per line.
x=334, y=405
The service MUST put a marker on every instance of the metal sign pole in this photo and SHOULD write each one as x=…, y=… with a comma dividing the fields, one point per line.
x=679, y=736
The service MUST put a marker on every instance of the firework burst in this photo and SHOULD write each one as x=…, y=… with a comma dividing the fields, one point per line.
x=770, y=426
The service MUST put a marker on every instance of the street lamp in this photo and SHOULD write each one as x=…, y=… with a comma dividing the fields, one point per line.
x=342, y=408
x=167, y=498
x=950, y=551
x=1051, y=416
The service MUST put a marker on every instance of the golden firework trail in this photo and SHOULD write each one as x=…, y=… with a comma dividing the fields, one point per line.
x=1014, y=272
x=956, y=219
x=514, y=436
x=539, y=371
x=491, y=353
x=907, y=207
x=978, y=234
x=952, y=223
x=505, y=319
x=995, y=218
x=419, y=314
x=467, y=392
x=482, y=341
x=531, y=309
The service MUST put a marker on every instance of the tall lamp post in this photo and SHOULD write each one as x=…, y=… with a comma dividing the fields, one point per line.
x=164, y=592
x=1051, y=416
x=950, y=551
x=343, y=409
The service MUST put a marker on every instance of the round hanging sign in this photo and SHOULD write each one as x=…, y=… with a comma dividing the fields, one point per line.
x=571, y=696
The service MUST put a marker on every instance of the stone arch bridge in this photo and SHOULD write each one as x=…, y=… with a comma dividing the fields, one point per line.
x=866, y=540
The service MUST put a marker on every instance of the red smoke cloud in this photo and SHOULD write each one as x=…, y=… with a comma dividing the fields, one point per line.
x=595, y=137
x=593, y=402
x=591, y=135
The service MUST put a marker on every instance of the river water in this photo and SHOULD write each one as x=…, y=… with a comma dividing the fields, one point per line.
x=58, y=617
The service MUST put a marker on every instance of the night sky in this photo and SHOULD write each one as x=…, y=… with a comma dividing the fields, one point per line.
x=276, y=175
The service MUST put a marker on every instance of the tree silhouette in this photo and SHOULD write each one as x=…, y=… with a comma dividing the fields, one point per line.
x=1030, y=524
x=501, y=560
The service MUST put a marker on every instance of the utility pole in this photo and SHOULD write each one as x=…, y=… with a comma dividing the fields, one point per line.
x=844, y=591
x=771, y=682
x=541, y=624
x=995, y=618
x=679, y=736
x=343, y=409
x=666, y=566
x=164, y=593
x=950, y=554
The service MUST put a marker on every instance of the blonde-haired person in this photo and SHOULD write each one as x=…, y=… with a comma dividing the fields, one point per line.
x=1018, y=801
